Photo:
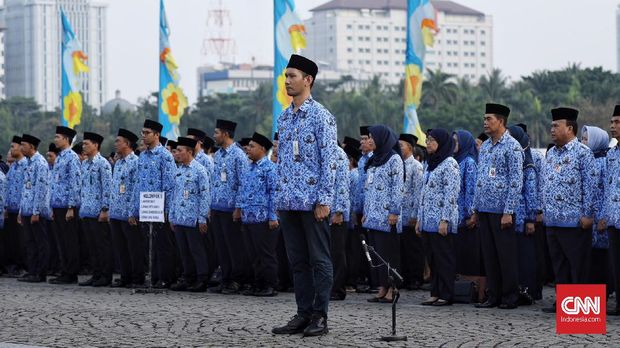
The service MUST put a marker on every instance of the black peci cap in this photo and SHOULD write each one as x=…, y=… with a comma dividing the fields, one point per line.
x=27, y=138
x=226, y=125
x=262, y=141
x=409, y=138
x=185, y=141
x=200, y=135
x=563, y=113
x=304, y=64
x=94, y=137
x=127, y=135
x=497, y=109
x=153, y=125
x=66, y=131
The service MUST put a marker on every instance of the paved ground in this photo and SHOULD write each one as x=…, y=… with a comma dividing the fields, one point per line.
x=49, y=315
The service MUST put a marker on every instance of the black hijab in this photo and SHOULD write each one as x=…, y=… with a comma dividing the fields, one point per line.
x=386, y=145
x=444, y=150
x=524, y=140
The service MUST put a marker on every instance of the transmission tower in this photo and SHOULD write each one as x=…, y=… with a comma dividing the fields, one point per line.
x=218, y=43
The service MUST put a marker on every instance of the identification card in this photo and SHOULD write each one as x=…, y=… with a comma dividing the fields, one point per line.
x=122, y=189
x=492, y=172
x=296, y=148
x=223, y=176
x=369, y=178
x=28, y=185
x=186, y=194
x=558, y=168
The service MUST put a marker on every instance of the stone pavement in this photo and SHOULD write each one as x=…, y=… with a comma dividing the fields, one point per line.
x=51, y=315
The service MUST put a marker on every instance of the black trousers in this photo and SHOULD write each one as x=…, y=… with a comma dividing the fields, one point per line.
x=499, y=252
x=14, y=247
x=544, y=270
x=600, y=268
x=442, y=257
x=129, y=248
x=38, y=248
x=614, y=256
x=387, y=244
x=67, y=240
x=211, y=249
x=528, y=260
x=285, y=275
x=354, y=250
x=230, y=247
x=265, y=260
x=412, y=256
x=339, y=258
x=193, y=253
x=570, y=250
x=164, y=251
x=247, y=256
x=99, y=243
x=54, y=263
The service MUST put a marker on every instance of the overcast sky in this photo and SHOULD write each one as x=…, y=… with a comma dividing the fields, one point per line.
x=529, y=35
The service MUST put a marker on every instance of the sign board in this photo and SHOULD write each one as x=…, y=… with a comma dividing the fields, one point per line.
x=152, y=206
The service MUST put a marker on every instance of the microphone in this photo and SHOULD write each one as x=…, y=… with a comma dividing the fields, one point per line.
x=365, y=246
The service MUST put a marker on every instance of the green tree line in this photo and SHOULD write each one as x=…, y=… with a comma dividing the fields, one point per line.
x=447, y=102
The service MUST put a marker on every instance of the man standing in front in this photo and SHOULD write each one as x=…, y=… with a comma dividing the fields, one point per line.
x=65, y=200
x=306, y=174
x=498, y=187
x=95, y=198
x=568, y=180
x=15, y=178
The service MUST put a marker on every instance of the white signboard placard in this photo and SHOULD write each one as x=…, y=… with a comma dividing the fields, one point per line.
x=152, y=206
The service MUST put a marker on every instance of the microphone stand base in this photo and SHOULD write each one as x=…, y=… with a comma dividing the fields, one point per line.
x=393, y=338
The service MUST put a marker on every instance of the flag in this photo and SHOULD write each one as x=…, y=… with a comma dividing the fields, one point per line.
x=289, y=38
x=73, y=64
x=421, y=28
x=172, y=100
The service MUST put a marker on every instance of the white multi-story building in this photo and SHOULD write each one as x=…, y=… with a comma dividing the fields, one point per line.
x=618, y=38
x=2, y=29
x=370, y=36
x=32, y=44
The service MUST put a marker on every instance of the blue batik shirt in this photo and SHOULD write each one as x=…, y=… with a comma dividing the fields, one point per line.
x=569, y=178
x=529, y=205
x=230, y=163
x=123, y=188
x=257, y=192
x=15, y=184
x=36, y=188
x=414, y=180
x=206, y=161
x=600, y=240
x=306, y=157
x=358, y=205
x=383, y=195
x=192, y=198
x=156, y=171
x=353, y=193
x=342, y=199
x=468, y=170
x=500, y=176
x=3, y=189
x=611, y=207
x=65, y=185
x=96, y=186
x=439, y=197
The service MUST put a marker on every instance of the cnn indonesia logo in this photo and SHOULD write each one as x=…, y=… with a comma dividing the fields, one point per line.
x=581, y=309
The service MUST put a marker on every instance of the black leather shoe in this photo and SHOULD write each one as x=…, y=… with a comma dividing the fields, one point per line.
x=103, y=281
x=337, y=297
x=266, y=292
x=181, y=285
x=550, y=310
x=34, y=279
x=24, y=277
x=614, y=312
x=118, y=283
x=507, y=306
x=215, y=289
x=198, y=287
x=317, y=327
x=487, y=304
x=89, y=282
x=161, y=285
x=63, y=280
x=249, y=292
x=231, y=289
x=440, y=303
x=296, y=325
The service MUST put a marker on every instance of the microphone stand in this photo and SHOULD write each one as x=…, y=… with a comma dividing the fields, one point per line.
x=394, y=279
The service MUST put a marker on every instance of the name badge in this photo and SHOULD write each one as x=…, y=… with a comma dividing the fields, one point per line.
x=57, y=177
x=122, y=189
x=28, y=185
x=369, y=179
x=186, y=194
x=492, y=172
x=558, y=168
x=223, y=176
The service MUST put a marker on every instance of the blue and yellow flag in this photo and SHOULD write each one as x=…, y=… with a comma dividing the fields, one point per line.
x=289, y=38
x=73, y=63
x=421, y=28
x=172, y=100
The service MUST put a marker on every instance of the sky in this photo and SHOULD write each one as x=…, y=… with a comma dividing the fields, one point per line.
x=528, y=35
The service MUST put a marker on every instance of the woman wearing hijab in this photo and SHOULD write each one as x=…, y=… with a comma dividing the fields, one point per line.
x=525, y=218
x=468, y=252
x=383, y=196
x=438, y=214
x=598, y=141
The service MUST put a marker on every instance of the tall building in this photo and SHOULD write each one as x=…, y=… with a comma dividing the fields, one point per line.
x=2, y=29
x=371, y=36
x=33, y=39
x=618, y=38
